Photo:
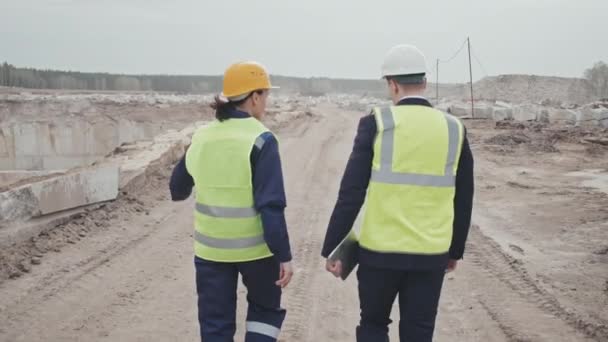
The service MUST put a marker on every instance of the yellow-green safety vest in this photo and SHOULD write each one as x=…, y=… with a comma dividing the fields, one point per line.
x=227, y=226
x=410, y=199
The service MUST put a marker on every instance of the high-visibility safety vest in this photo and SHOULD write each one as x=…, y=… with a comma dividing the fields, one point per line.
x=410, y=199
x=227, y=226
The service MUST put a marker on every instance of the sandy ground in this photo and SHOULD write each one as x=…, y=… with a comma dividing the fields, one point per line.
x=535, y=268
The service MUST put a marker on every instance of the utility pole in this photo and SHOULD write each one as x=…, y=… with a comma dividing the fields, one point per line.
x=437, y=83
x=471, y=78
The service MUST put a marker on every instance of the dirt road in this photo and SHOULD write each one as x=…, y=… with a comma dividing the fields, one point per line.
x=133, y=280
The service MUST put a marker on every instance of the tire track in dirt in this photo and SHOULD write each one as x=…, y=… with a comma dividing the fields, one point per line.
x=523, y=310
x=54, y=283
x=310, y=203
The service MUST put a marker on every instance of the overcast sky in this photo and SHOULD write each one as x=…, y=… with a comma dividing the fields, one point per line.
x=335, y=38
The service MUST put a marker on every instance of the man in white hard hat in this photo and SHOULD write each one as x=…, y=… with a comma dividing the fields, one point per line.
x=412, y=166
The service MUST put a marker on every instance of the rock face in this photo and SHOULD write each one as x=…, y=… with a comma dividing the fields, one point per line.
x=60, y=131
x=62, y=144
x=535, y=89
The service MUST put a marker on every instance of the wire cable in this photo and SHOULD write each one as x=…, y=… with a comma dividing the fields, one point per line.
x=455, y=54
x=483, y=69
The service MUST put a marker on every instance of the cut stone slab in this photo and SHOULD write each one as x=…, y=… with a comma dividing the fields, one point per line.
x=566, y=116
x=76, y=189
x=17, y=232
x=592, y=117
x=525, y=113
x=501, y=114
x=483, y=112
x=459, y=110
x=588, y=118
x=12, y=177
x=503, y=104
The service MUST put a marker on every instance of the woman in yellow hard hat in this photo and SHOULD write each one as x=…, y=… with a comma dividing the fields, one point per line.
x=234, y=166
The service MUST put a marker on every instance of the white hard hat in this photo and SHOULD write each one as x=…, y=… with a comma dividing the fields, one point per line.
x=404, y=60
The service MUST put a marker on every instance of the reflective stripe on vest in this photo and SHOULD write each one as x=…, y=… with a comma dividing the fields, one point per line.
x=225, y=212
x=386, y=174
x=229, y=243
x=259, y=142
x=263, y=329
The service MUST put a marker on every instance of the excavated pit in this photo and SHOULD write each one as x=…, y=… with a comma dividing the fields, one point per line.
x=45, y=134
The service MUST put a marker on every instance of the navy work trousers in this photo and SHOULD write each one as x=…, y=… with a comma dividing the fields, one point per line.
x=216, y=285
x=418, y=292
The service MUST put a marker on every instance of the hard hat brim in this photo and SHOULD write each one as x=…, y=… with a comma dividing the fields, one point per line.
x=409, y=79
x=242, y=96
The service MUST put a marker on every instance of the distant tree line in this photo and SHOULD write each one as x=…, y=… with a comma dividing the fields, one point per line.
x=598, y=77
x=11, y=76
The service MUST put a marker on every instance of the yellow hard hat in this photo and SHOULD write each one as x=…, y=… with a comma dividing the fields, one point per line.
x=243, y=78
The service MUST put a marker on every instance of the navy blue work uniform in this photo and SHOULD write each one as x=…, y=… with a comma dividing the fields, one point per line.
x=216, y=282
x=417, y=279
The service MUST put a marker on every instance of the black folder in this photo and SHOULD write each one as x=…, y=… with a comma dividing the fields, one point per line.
x=348, y=253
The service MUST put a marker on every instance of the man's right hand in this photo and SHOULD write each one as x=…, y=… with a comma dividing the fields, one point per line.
x=452, y=264
x=334, y=267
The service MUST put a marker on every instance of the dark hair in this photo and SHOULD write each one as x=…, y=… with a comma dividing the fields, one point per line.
x=408, y=79
x=222, y=108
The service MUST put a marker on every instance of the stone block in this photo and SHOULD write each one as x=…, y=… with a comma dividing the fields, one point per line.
x=60, y=193
x=459, y=110
x=503, y=104
x=525, y=113
x=483, y=112
x=589, y=117
x=500, y=114
x=563, y=116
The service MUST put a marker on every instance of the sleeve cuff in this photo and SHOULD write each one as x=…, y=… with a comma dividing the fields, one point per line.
x=456, y=256
x=283, y=257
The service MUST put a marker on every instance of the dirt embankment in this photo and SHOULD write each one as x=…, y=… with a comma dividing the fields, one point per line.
x=539, y=137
